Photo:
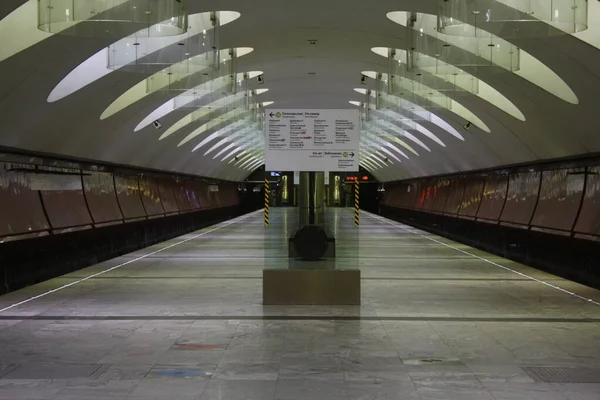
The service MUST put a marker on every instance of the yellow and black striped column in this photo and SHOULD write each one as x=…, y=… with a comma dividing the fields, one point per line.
x=356, y=203
x=267, y=200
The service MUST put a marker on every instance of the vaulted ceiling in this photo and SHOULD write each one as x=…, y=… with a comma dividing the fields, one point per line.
x=57, y=95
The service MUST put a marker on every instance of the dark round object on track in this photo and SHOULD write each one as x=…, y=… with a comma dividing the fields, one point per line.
x=310, y=243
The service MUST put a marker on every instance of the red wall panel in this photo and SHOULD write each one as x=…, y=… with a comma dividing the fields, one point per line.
x=419, y=198
x=166, y=187
x=20, y=206
x=429, y=192
x=62, y=195
x=560, y=198
x=151, y=196
x=99, y=189
x=492, y=200
x=589, y=217
x=472, y=196
x=128, y=194
x=523, y=191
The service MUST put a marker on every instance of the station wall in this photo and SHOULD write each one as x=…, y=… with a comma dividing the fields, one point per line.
x=38, y=201
x=548, y=218
x=559, y=201
x=58, y=220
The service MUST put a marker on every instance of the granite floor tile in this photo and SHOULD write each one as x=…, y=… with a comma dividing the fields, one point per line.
x=188, y=324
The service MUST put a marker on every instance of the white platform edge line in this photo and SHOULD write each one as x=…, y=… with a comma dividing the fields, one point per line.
x=483, y=259
x=231, y=222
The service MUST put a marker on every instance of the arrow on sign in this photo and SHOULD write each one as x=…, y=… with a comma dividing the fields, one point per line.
x=272, y=115
x=351, y=154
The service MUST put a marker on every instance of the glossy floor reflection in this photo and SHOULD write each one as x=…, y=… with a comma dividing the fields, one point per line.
x=183, y=320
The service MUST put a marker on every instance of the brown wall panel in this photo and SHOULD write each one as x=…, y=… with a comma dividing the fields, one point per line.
x=229, y=195
x=63, y=199
x=128, y=194
x=151, y=196
x=191, y=191
x=391, y=196
x=589, y=217
x=213, y=199
x=456, y=191
x=405, y=194
x=523, y=191
x=492, y=200
x=560, y=198
x=202, y=194
x=166, y=187
x=99, y=189
x=419, y=195
x=181, y=196
x=20, y=206
x=472, y=196
x=441, y=193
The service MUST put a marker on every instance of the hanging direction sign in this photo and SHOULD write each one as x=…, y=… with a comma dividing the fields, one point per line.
x=312, y=140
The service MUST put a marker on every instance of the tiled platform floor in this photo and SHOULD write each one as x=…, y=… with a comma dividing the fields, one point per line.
x=184, y=320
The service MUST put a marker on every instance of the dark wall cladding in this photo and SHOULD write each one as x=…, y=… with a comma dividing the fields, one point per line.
x=38, y=201
x=560, y=198
x=440, y=196
x=456, y=191
x=151, y=196
x=523, y=191
x=589, y=216
x=63, y=198
x=166, y=188
x=99, y=190
x=181, y=196
x=473, y=191
x=193, y=194
x=493, y=198
x=561, y=201
x=128, y=194
x=20, y=205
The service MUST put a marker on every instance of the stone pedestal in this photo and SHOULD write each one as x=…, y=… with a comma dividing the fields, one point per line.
x=311, y=287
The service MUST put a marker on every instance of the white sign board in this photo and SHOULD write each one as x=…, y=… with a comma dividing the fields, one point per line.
x=312, y=140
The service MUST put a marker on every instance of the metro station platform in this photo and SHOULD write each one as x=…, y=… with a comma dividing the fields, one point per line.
x=184, y=320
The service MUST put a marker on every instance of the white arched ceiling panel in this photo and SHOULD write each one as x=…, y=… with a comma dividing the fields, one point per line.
x=95, y=67
x=397, y=119
x=418, y=111
x=484, y=91
x=445, y=102
x=230, y=138
x=592, y=34
x=172, y=105
x=139, y=91
x=229, y=117
x=397, y=130
x=19, y=31
x=203, y=113
x=530, y=68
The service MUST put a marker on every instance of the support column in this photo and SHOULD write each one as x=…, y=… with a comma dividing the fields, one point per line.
x=356, y=203
x=267, y=200
x=311, y=197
